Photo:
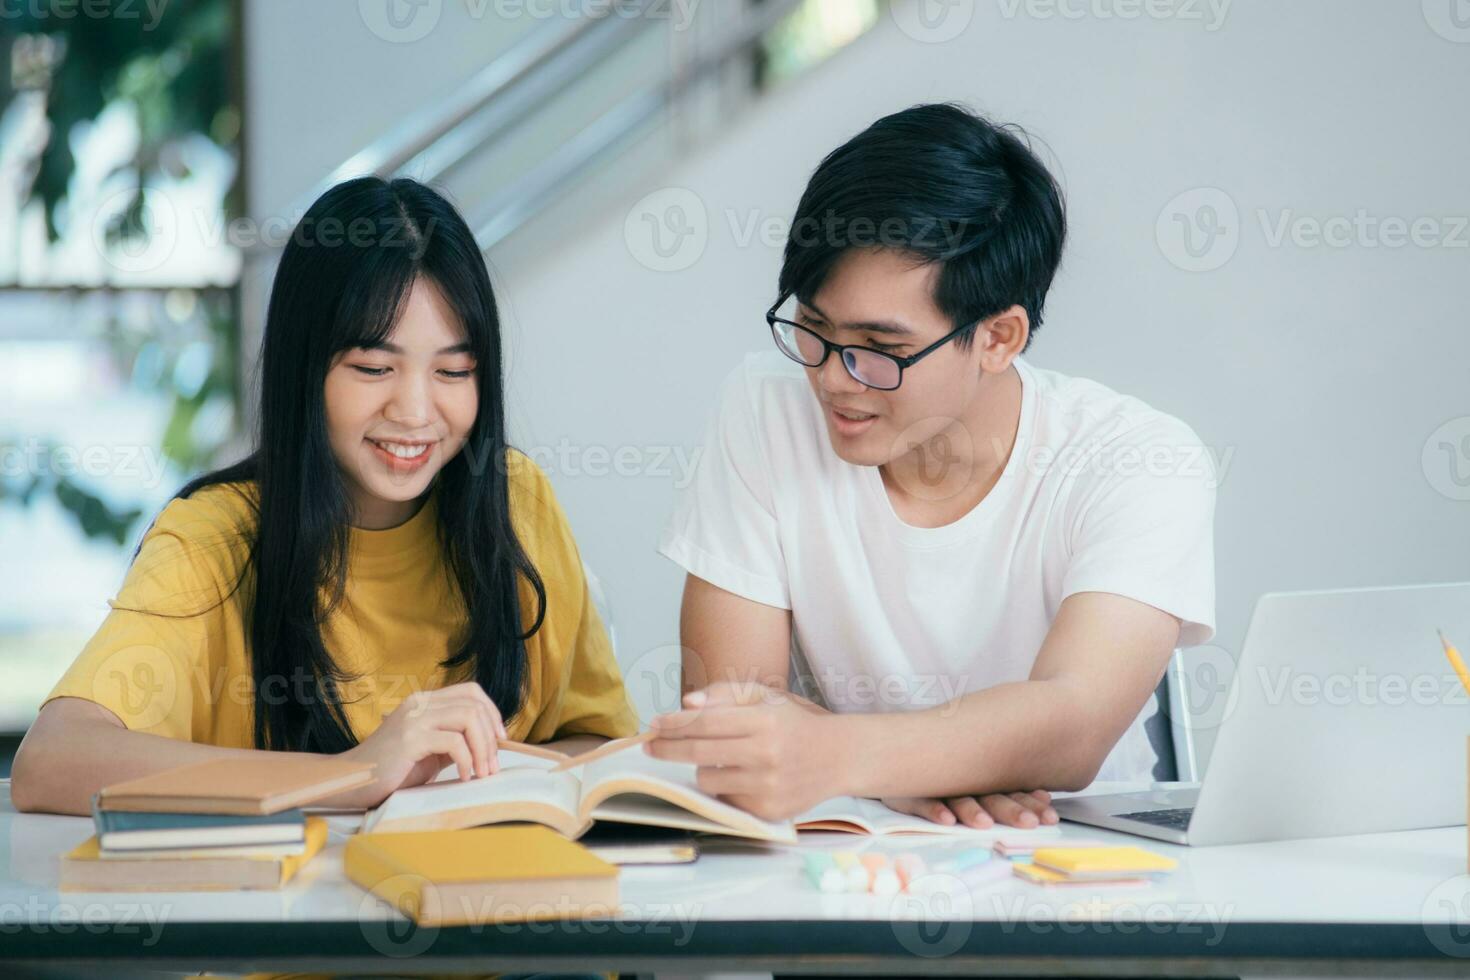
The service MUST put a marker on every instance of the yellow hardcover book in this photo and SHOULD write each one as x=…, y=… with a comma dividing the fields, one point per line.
x=1109, y=861
x=481, y=875
x=84, y=869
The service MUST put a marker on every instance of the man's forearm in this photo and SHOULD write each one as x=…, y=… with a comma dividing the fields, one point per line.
x=1012, y=737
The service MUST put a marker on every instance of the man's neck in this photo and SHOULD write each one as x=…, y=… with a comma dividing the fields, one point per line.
x=945, y=478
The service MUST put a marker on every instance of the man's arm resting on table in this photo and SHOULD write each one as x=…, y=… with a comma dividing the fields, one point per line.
x=1101, y=661
x=1099, y=664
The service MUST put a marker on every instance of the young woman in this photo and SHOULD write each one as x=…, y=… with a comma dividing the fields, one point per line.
x=383, y=579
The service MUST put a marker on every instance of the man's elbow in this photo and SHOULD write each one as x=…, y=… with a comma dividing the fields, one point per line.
x=1074, y=771
x=1074, y=779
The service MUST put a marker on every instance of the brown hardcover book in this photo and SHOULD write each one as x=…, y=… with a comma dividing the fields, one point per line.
x=86, y=869
x=247, y=785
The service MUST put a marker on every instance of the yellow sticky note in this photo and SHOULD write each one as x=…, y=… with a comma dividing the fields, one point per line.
x=1074, y=861
x=1046, y=876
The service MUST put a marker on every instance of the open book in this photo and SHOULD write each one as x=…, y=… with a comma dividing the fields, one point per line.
x=860, y=816
x=627, y=786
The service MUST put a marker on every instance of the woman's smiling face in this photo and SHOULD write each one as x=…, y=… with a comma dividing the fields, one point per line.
x=397, y=413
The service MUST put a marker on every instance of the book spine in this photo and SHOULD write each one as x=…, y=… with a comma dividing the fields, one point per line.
x=371, y=872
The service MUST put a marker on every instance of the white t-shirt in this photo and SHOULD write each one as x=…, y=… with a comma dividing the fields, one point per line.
x=1101, y=493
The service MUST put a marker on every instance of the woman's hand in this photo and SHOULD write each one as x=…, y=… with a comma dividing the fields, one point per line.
x=1023, y=810
x=426, y=732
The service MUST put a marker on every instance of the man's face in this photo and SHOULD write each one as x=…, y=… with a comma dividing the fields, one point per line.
x=885, y=300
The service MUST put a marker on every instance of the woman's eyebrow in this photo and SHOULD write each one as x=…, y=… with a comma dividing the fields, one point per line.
x=463, y=347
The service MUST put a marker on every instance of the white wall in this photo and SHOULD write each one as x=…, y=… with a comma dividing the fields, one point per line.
x=1318, y=373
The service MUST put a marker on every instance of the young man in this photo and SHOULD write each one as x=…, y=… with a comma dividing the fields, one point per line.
x=978, y=567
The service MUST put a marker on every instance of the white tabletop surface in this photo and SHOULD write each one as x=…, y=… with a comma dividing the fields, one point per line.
x=1415, y=877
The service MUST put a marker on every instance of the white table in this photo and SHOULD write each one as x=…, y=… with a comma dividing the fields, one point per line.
x=1373, y=905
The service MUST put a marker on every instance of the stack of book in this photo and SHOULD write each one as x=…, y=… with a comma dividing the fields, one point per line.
x=1094, y=866
x=226, y=824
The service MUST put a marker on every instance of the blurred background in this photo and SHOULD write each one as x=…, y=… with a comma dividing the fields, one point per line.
x=1269, y=240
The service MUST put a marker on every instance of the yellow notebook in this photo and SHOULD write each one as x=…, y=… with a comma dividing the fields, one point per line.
x=84, y=869
x=486, y=874
x=1111, y=862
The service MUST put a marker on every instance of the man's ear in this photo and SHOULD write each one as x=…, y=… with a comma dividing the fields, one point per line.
x=1001, y=337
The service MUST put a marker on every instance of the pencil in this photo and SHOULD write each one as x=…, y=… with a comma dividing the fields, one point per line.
x=1455, y=661
x=608, y=748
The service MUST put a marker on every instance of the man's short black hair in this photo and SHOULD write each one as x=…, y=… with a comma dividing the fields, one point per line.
x=945, y=185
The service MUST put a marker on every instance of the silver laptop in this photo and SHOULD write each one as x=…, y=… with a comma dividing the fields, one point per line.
x=1344, y=717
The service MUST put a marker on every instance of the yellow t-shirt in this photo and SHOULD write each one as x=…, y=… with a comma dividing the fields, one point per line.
x=190, y=677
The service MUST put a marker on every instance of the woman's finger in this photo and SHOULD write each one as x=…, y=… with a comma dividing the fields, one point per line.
x=452, y=744
x=473, y=691
x=483, y=744
x=466, y=718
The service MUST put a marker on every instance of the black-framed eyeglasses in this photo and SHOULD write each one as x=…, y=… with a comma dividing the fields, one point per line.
x=873, y=368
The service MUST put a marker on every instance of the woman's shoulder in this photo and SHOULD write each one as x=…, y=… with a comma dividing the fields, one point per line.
x=528, y=485
x=540, y=522
x=522, y=471
x=194, y=551
x=219, y=510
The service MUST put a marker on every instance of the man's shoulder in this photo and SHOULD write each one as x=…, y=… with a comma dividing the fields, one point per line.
x=1075, y=410
x=769, y=393
x=761, y=375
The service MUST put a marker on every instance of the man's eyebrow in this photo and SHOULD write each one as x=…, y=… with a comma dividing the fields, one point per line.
x=892, y=327
x=463, y=347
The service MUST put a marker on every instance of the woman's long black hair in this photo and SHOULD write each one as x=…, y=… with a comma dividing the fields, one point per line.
x=342, y=282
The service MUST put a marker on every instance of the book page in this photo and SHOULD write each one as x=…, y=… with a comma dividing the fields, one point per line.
x=507, y=760
x=876, y=817
x=515, y=784
x=673, y=782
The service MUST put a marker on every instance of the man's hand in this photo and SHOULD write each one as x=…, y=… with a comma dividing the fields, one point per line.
x=1024, y=810
x=764, y=750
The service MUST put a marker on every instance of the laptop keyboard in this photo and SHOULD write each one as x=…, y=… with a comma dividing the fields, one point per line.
x=1175, y=819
